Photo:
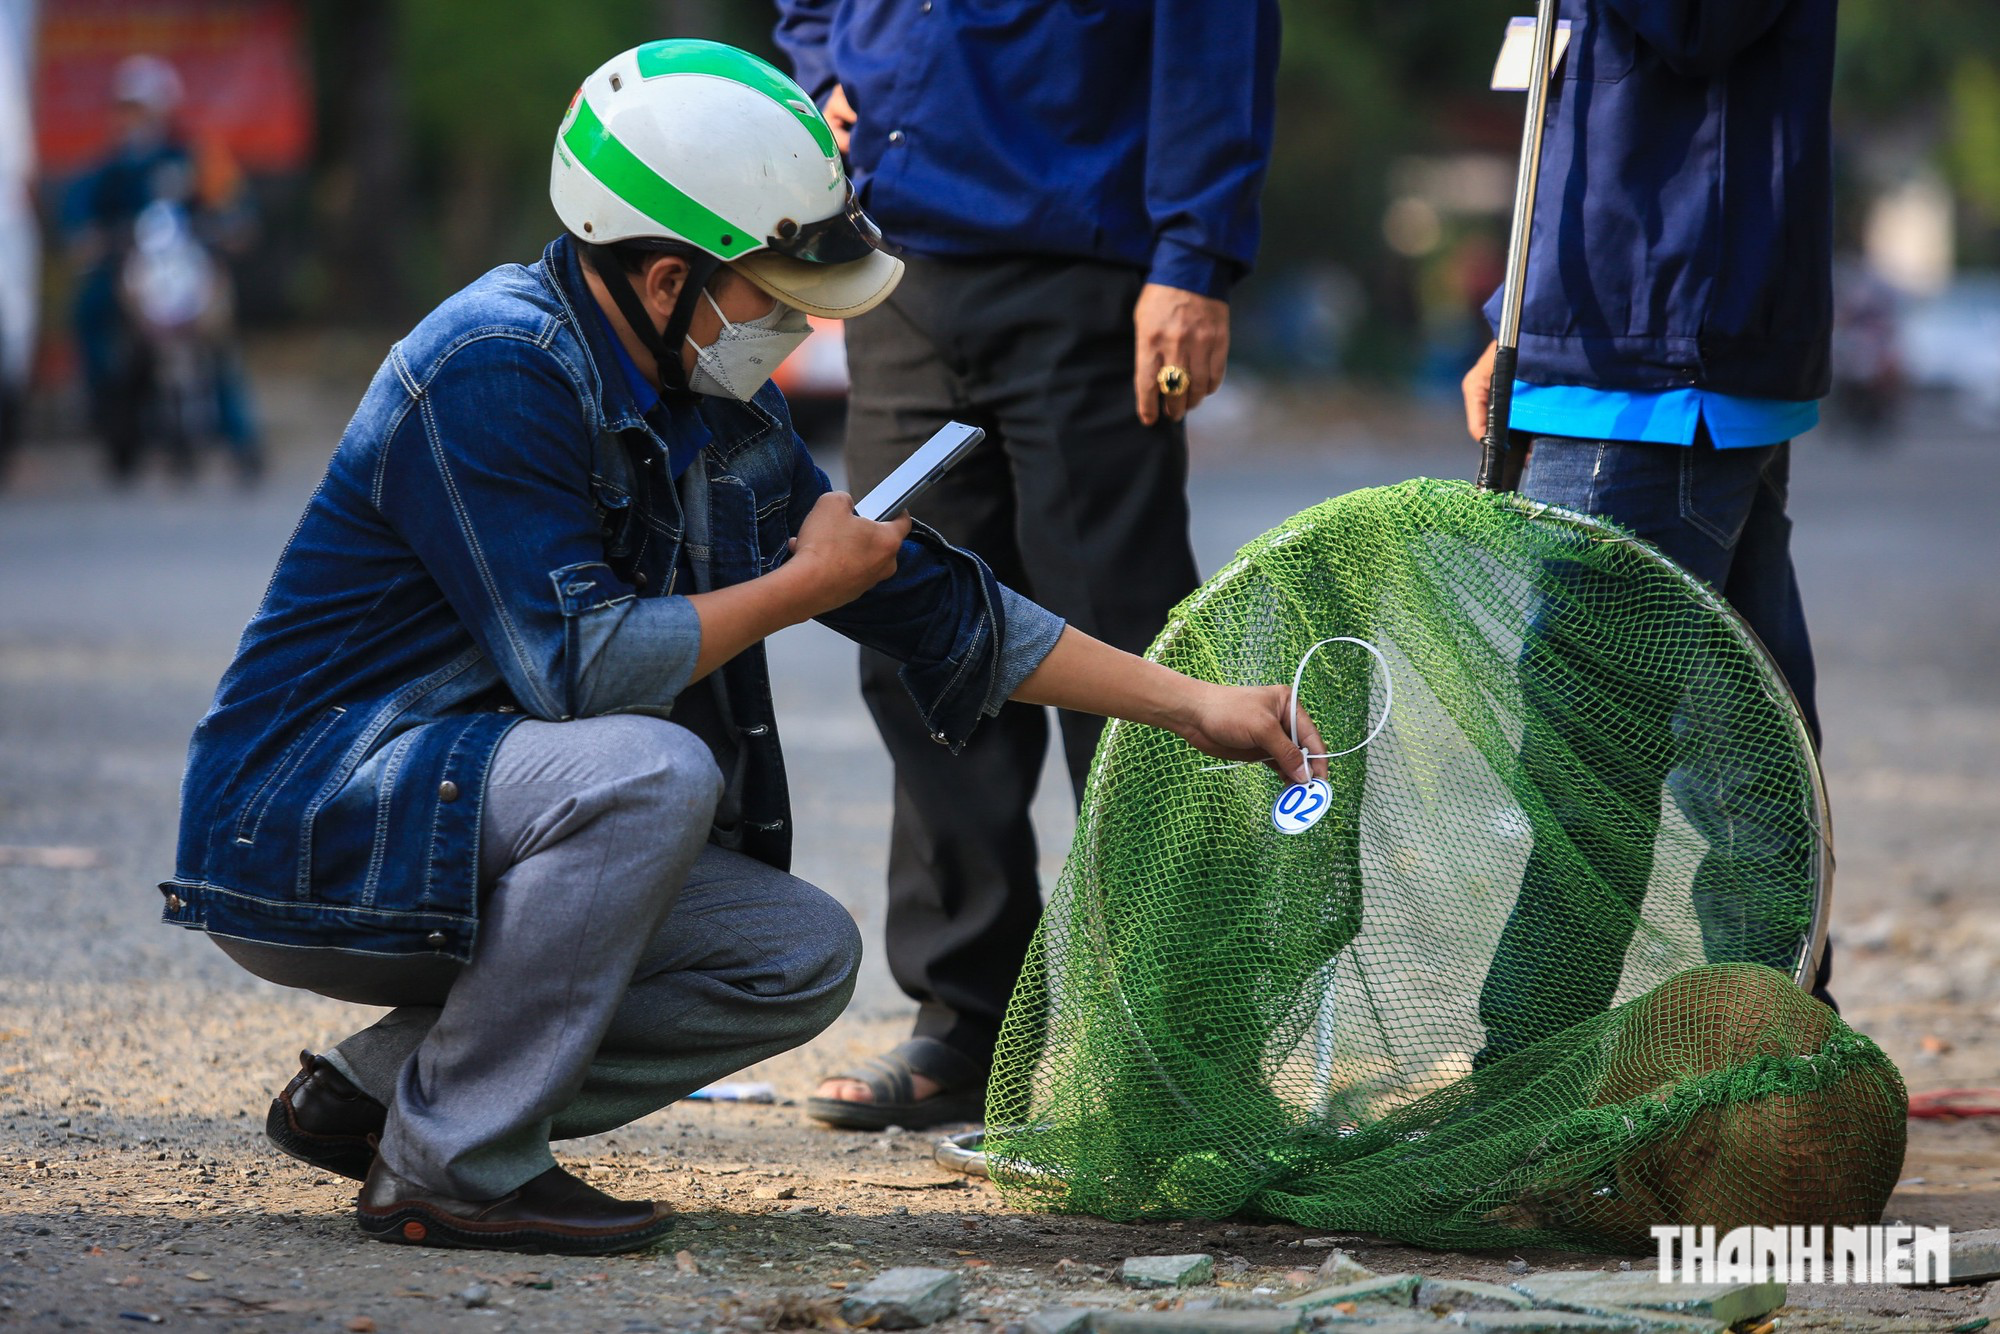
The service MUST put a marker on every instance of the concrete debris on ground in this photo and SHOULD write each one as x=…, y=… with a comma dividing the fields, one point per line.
x=1541, y=1322
x=1595, y=1290
x=1167, y=1271
x=1975, y=1256
x=1340, y=1267
x=1443, y=1295
x=906, y=1298
x=1652, y=1320
x=1568, y=1302
x=1268, y=1321
x=1060, y=1320
x=1397, y=1290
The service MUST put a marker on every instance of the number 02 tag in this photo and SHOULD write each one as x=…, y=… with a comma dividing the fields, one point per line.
x=1301, y=806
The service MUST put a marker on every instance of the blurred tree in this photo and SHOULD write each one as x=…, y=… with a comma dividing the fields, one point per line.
x=1361, y=83
x=1923, y=78
x=487, y=81
x=1974, y=143
x=1896, y=59
x=440, y=117
x=364, y=160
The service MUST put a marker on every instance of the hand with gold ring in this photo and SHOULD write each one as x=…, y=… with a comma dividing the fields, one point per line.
x=1181, y=350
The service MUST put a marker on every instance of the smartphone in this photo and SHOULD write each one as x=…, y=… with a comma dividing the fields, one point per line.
x=910, y=480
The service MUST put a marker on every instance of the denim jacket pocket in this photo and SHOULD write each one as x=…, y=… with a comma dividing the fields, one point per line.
x=774, y=532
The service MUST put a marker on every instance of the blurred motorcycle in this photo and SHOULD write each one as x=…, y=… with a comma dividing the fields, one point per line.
x=1868, y=381
x=178, y=312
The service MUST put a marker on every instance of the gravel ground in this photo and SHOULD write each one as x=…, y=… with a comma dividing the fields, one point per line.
x=136, y=1062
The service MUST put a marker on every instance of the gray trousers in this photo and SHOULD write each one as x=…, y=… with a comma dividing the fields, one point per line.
x=622, y=962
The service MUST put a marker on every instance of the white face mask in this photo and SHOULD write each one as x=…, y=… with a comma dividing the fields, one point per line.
x=742, y=357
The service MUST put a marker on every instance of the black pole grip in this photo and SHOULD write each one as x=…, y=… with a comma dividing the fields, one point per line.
x=1499, y=466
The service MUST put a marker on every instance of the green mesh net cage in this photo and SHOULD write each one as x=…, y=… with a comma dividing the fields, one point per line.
x=1533, y=977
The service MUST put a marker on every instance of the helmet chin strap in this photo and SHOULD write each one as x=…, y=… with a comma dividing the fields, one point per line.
x=664, y=344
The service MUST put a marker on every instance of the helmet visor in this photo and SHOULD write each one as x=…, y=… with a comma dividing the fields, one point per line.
x=841, y=239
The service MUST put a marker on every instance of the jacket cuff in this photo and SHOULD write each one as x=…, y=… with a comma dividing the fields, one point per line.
x=1028, y=632
x=1191, y=270
x=640, y=651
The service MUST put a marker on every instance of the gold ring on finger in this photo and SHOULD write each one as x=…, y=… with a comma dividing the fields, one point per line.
x=1173, y=380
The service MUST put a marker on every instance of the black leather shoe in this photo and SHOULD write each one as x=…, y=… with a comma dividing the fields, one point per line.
x=322, y=1119
x=554, y=1212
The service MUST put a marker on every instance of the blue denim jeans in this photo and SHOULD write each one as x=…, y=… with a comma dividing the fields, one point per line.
x=1719, y=514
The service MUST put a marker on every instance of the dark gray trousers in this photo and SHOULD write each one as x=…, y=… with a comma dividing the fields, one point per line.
x=1073, y=503
x=621, y=962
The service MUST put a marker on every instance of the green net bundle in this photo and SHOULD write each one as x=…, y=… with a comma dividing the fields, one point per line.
x=1530, y=980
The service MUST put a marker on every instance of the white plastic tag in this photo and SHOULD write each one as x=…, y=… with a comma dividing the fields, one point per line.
x=1301, y=806
x=1517, y=54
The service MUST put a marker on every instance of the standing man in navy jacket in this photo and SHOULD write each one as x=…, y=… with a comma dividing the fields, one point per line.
x=1674, y=339
x=1074, y=187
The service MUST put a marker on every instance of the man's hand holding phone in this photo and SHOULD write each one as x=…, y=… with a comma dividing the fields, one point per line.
x=838, y=555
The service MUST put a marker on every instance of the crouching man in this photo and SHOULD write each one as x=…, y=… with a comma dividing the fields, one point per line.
x=497, y=749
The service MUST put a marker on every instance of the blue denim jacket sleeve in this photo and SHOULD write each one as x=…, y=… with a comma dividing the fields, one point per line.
x=966, y=642
x=487, y=479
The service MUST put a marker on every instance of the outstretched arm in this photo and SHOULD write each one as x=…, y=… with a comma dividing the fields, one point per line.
x=1228, y=722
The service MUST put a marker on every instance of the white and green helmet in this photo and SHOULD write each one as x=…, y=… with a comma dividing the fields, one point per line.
x=699, y=142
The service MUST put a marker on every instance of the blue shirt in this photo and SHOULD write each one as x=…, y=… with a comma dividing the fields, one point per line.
x=1665, y=417
x=1131, y=131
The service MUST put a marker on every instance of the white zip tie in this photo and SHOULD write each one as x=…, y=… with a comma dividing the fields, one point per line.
x=1298, y=679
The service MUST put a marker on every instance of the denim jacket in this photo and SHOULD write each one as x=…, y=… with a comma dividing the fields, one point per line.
x=497, y=537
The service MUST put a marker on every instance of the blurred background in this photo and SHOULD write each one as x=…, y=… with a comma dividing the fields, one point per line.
x=348, y=164
x=330, y=170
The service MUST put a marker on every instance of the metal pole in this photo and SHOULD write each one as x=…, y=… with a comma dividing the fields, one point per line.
x=1499, y=466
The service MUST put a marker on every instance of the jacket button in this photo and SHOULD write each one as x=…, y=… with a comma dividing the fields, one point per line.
x=447, y=791
x=174, y=903
x=435, y=940
x=941, y=738
x=640, y=580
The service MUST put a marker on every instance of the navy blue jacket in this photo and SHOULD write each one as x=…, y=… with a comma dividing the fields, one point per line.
x=1684, y=218
x=1133, y=131
x=496, y=538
